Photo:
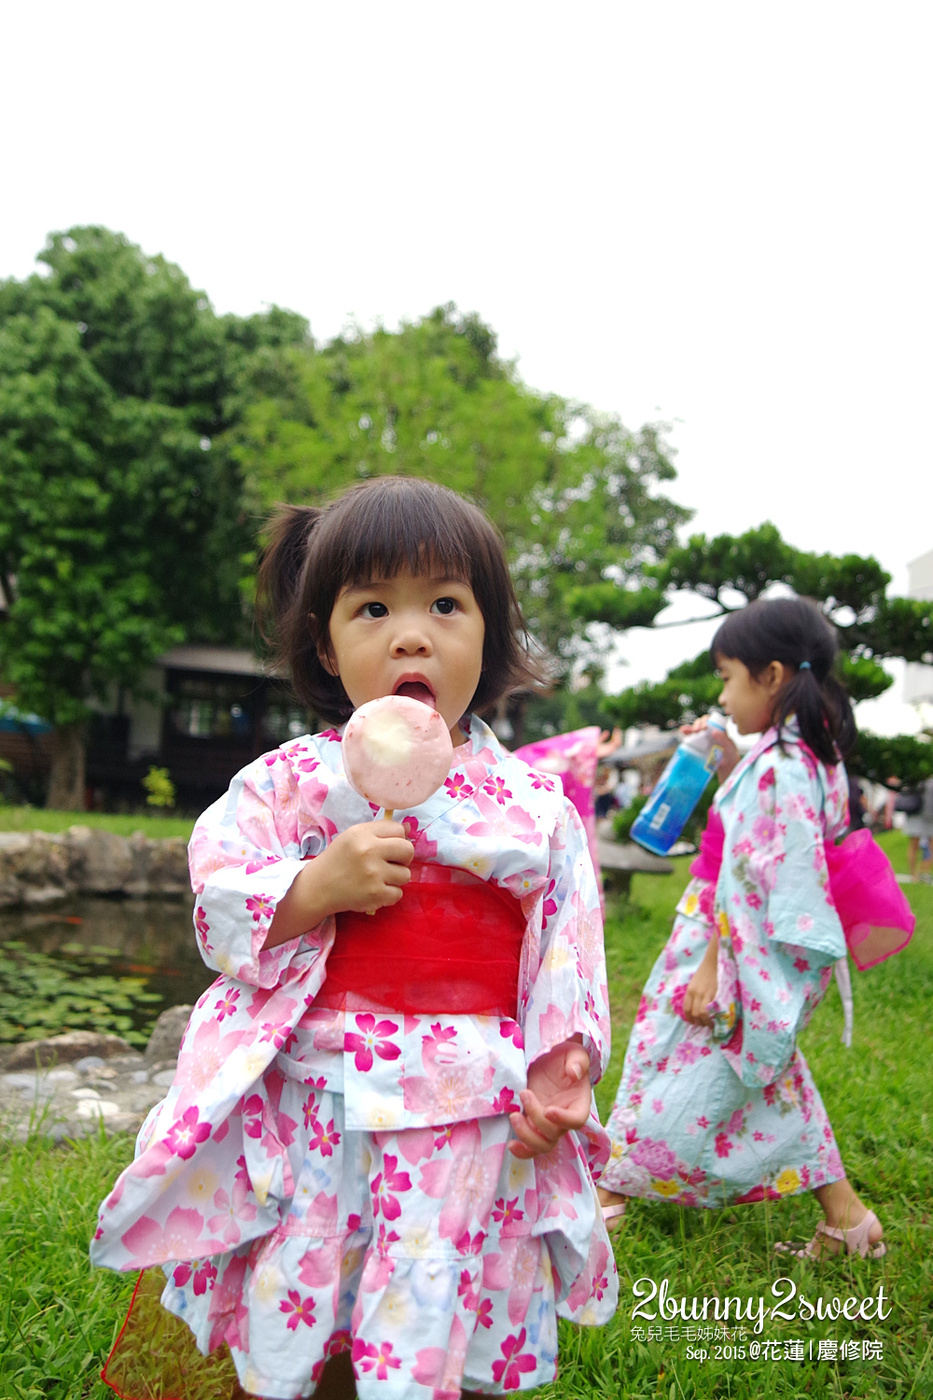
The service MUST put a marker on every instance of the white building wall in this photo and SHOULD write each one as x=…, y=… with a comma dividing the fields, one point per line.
x=145, y=715
x=918, y=679
x=146, y=718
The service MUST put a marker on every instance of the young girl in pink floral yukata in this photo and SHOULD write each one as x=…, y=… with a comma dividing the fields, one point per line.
x=384, y=1163
x=717, y=1104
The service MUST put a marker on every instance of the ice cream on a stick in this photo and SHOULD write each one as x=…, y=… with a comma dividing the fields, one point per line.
x=396, y=752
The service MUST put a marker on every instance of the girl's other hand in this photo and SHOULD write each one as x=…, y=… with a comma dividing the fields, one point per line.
x=557, y=1099
x=701, y=990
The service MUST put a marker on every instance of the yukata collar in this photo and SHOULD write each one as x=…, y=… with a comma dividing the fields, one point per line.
x=788, y=732
x=480, y=738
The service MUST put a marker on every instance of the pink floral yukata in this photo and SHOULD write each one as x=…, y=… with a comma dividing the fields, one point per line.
x=321, y=1180
x=573, y=757
x=708, y=1116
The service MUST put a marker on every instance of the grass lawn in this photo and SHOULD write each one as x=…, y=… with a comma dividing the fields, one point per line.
x=41, y=819
x=58, y=1317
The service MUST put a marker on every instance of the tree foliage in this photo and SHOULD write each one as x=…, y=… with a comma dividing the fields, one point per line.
x=687, y=691
x=121, y=524
x=574, y=492
x=143, y=439
x=882, y=758
x=730, y=571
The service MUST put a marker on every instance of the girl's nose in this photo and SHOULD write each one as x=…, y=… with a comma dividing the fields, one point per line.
x=411, y=639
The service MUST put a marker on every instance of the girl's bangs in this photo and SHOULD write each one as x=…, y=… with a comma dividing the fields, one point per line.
x=424, y=540
x=719, y=649
x=735, y=640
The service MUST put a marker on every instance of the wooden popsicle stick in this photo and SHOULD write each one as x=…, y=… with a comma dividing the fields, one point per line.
x=389, y=814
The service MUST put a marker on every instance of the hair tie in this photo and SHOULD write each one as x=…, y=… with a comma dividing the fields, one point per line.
x=804, y=666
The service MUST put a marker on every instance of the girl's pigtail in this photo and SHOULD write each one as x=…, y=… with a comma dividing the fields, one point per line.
x=838, y=708
x=823, y=710
x=281, y=569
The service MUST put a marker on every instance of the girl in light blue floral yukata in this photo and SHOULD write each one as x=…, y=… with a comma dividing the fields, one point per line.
x=383, y=1163
x=716, y=1102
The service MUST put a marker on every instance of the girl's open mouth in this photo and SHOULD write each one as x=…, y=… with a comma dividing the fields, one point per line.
x=416, y=690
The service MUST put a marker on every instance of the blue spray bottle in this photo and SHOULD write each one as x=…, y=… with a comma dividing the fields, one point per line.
x=679, y=788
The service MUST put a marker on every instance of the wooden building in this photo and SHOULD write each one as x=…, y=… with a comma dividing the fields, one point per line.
x=208, y=710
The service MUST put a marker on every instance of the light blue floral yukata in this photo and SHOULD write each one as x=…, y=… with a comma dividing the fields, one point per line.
x=708, y=1116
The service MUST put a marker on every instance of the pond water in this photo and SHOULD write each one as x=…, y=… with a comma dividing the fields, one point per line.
x=106, y=964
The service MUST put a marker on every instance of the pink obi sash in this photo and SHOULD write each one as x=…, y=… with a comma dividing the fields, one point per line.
x=876, y=919
x=451, y=945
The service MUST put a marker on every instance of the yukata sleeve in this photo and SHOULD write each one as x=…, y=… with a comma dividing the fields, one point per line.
x=779, y=928
x=565, y=992
x=243, y=855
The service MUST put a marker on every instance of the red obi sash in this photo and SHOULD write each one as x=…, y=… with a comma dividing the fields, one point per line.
x=451, y=945
x=876, y=919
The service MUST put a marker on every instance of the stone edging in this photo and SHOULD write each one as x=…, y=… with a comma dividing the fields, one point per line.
x=38, y=866
x=68, y=1085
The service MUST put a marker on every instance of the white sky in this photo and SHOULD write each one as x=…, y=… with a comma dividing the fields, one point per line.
x=716, y=214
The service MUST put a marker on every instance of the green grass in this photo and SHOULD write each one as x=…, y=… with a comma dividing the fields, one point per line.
x=43, y=819
x=58, y=1317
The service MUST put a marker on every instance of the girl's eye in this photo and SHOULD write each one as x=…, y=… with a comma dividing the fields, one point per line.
x=444, y=606
x=374, y=610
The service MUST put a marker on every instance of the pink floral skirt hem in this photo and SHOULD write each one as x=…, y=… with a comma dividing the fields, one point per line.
x=422, y=1252
x=684, y=1127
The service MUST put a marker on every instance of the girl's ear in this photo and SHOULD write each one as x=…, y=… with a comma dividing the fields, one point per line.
x=323, y=648
x=775, y=675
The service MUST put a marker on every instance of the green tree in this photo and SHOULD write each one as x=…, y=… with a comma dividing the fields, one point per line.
x=730, y=571
x=574, y=492
x=122, y=530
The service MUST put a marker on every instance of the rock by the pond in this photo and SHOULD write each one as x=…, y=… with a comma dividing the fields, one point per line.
x=38, y=866
x=166, y=1035
x=104, y=860
x=70, y=1085
x=62, y=1049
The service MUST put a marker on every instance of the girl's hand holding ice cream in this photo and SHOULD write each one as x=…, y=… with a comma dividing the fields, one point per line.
x=364, y=869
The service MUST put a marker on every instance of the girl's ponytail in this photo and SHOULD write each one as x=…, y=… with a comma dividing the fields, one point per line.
x=278, y=588
x=823, y=711
x=795, y=632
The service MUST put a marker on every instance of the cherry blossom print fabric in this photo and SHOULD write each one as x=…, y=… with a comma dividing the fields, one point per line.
x=415, y=1250
x=573, y=757
x=707, y=1116
x=358, y=1158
